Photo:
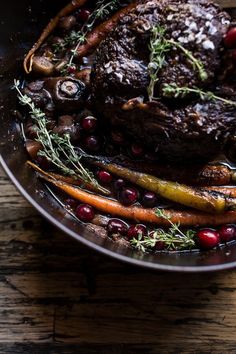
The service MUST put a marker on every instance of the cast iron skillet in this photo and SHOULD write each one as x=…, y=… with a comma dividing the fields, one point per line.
x=21, y=22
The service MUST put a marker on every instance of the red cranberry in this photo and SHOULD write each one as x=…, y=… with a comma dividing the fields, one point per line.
x=72, y=203
x=128, y=196
x=117, y=137
x=136, y=230
x=72, y=69
x=160, y=245
x=92, y=143
x=89, y=124
x=83, y=15
x=85, y=213
x=43, y=162
x=230, y=38
x=116, y=226
x=227, y=233
x=119, y=184
x=149, y=199
x=208, y=238
x=136, y=150
x=104, y=177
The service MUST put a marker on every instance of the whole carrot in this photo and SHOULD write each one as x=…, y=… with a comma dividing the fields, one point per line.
x=72, y=6
x=102, y=30
x=205, y=200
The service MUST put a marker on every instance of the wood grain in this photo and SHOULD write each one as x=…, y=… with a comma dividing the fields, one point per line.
x=227, y=3
x=58, y=297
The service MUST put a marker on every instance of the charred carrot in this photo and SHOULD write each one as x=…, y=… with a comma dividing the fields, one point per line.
x=197, y=175
x=101, y=31
x=208, y=201
x=72, y=6
x=70, y=180
x=138, y=214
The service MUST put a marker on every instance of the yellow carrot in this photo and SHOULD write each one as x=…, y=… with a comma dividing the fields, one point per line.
x=205, y=200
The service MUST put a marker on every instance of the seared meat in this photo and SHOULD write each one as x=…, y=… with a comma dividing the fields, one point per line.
x=180, y=128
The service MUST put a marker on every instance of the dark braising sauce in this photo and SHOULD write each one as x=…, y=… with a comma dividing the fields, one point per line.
x=130, y=116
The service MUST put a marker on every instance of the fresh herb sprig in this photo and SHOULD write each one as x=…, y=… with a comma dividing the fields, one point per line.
x=102, y=11
x=159, y=47
x=173, y=238
x=58, y=150
x=172, y=90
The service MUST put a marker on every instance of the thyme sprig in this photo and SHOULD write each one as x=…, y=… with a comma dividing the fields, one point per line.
x=58, y=150
x=159, y=46
x=196, y=63
x=158, y=49
x=172, y=90
x=173, y=238
x=101, y=12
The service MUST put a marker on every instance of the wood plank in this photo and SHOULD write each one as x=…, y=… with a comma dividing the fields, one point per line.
x=227, y=3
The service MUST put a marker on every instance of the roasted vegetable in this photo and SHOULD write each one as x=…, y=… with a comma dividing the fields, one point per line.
x=68, y=9
x=208, y=201
x=70, y=180
x=101, y=31
x=138, y=214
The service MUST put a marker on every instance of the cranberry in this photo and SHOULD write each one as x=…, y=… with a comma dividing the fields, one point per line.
x=43, y=162
x=149, y=199
x=89, y=124
x=92, y=143
x=104, y=177
x=72, y=69
x=71, y=203
x=128, y=196
x=136, y=230
x=115, y=226
x=136, y=150
x=119, y=184
x=227, y=233
x=160, y=245
x=208, y=238
x=230, y=38
x=117, y=137
x=83, y=15
x=85, y=212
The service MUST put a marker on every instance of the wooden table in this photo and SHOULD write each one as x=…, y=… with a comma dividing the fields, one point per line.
x=57, y=296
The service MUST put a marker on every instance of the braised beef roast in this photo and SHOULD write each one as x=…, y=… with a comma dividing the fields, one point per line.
x=185, y=128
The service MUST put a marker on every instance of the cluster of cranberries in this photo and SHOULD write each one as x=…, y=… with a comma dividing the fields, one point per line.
x=210, y=238
x=206, y=239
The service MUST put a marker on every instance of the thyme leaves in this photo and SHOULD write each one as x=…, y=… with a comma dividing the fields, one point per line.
x=102, y=11
x=58, y=150
x=172, y=238
x=172, y=90
x=159, y=47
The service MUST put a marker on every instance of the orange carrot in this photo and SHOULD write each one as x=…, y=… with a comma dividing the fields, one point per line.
x=101, y=31
x=139, y=214
x=72, y=6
